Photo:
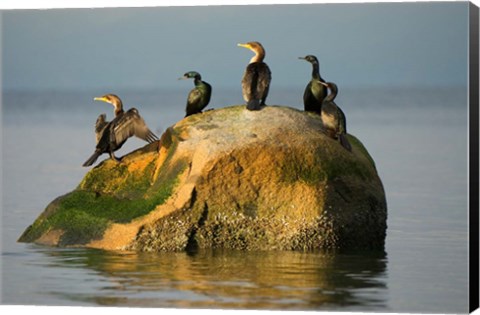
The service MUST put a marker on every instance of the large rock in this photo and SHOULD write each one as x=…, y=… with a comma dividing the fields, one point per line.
x=228, y=178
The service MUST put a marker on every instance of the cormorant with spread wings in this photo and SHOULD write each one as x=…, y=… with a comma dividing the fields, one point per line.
x=112, y=135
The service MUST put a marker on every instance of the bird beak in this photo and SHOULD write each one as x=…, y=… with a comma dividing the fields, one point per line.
x=244, y=45
x=183, y=78
x=301, y=58
x=102, y=99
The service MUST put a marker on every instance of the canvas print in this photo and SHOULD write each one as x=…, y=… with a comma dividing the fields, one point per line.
x=268, y=157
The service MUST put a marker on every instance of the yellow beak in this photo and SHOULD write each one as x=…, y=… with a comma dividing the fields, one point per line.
x=102, y=99
x=244, y=45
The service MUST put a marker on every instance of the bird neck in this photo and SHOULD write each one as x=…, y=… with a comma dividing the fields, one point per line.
x=259, y=56
x=316, y=72
x=331, y=96
x=118, y=109
x=197, y=81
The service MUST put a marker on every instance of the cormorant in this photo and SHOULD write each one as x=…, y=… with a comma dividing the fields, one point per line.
x=333, y=117
x=112, y=135
x=315, y=91
x=257, y=77
x=199, y=97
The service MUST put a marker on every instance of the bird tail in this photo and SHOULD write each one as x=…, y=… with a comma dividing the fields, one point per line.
x=92, y=159
x=344, y=142
x=253, y=105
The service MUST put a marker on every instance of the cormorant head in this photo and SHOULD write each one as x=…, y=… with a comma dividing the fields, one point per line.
x=310, y=58
x=191, y=75
x=253, y=46
x=114, y=100
x=257, y=48
x=109, y=98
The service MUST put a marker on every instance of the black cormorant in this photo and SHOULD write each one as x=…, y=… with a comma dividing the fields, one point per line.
x=333, y=117
x=199, y=97
x=112, y=135
x=257, y=77
x=315, y=91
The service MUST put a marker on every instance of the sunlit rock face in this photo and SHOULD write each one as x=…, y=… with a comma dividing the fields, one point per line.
x=228, y=178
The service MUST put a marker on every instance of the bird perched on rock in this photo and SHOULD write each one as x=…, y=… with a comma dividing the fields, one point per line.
x=333, y=117
x=256, y=78
x=112, y=135
x=315, y=91
x=199, y=96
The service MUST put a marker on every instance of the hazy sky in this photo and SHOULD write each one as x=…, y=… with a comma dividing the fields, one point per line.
x=390, y=44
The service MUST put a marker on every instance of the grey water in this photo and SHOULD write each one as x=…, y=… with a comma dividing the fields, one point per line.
x=418, y=138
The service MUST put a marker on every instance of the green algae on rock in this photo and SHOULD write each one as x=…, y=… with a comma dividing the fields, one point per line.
x=227, y=178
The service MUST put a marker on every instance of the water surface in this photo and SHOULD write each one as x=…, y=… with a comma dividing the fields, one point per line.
x=418, y=138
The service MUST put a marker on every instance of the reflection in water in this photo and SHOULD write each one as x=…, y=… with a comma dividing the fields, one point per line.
x=228, y=279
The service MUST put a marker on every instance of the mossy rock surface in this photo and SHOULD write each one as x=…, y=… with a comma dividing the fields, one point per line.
x=227, y=178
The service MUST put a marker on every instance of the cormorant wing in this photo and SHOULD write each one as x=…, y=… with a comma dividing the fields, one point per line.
x=307, y=95
x=343, y=120
x=208, y=92
x=193, y=100
x=131, y=124
x=100, y=124
x=256, y=81
x=264, y=78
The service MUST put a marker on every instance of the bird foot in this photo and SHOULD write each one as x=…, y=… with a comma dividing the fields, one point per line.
x=118, y=160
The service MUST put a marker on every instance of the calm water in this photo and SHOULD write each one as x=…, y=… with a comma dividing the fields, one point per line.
x=419, y=142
